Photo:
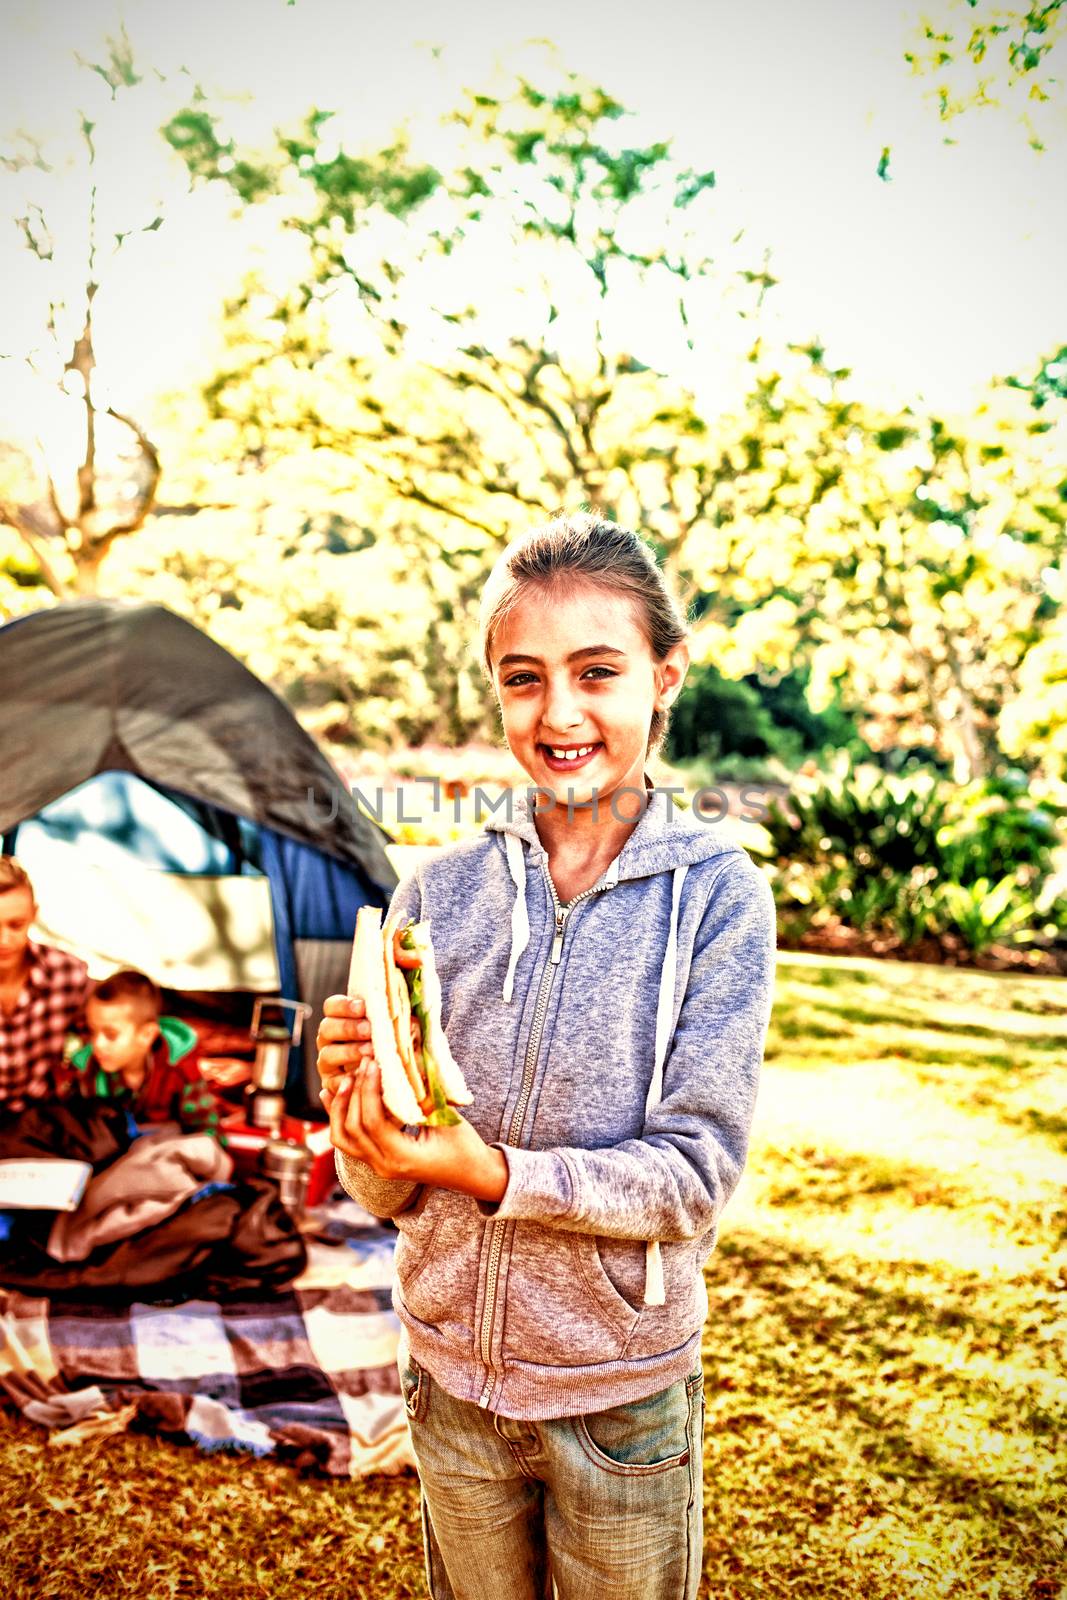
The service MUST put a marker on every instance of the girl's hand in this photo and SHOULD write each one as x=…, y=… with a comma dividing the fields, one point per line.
x=450, y=1158
x=343, y=1039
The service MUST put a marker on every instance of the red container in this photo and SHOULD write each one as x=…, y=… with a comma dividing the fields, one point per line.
x=246, y=1144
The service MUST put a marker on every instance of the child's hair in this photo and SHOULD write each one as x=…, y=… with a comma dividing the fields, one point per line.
x=585, y=548
x=136, y=989
x=13, y=875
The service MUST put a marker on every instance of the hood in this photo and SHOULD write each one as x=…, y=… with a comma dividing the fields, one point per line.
x=178, y=1037
x=664, y=838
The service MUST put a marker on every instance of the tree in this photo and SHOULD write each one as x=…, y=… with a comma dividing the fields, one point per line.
x=1034, y=723
x=912, y=560
x=70, y=527
x=476, y=412
x=312, y=576
x=485, y=414
x=981, y=56
x=900, y=559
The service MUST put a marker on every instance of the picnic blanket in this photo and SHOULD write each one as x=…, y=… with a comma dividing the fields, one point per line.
x=307, y=1375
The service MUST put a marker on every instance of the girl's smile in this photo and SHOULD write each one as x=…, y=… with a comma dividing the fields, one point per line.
x=569, y=758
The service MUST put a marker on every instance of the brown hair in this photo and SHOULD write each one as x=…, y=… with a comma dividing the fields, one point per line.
x=13, y=875
x=585, y=548
x=135, y=988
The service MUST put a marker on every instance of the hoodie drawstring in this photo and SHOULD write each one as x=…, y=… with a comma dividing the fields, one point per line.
x=520, y=917
x=520, y=938
x=655, y=1293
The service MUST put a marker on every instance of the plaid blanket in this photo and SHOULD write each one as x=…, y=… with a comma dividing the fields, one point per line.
x=308, y=1375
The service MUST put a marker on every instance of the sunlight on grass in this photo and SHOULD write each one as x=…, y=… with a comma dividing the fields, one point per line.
x=889, y=1282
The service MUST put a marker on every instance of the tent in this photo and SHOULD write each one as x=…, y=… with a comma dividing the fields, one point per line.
x=174, y=815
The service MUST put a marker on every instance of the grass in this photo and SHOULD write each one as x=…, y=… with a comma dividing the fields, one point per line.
x=885, y=1352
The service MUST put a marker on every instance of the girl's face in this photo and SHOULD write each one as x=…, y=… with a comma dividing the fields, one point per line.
x=578, y=684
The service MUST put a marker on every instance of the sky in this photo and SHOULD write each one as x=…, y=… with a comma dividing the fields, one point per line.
x=926, y=285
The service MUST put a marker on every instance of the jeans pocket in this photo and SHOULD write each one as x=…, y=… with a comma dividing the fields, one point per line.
x=414, y=1386
x=643, y=1437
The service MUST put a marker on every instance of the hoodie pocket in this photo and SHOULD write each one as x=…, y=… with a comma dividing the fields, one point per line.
x=417, y=1229
x=685, y=1302
x=437, y=1262
x=560, y=1305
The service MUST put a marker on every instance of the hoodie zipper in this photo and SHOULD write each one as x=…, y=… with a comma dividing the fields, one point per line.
x=496, y=1247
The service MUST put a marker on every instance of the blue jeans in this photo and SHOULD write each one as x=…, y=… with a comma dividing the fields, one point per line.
x=606, y=1506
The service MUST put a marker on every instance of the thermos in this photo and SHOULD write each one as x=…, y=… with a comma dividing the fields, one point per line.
x=288, y=1164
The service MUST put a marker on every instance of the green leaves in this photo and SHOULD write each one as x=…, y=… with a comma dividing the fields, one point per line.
x=893, y=436
x=985, y=913
x=999, y=60
x=1049, y=382
x=914, y=857
x=689, y=185
x=117, y=69
x=193, y=134
x=344, y=186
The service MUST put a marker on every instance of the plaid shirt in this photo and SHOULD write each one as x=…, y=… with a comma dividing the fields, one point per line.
x=32, y=1037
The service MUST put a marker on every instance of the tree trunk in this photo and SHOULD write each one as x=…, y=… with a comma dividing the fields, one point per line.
x=87, y=566
x=974, y=758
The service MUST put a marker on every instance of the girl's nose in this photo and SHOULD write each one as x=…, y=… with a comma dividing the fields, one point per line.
x=562, y=712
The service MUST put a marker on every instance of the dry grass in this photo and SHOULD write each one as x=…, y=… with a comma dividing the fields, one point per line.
x=885, y=1352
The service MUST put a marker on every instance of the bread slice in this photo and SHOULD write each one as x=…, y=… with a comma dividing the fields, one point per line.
x=367, y=978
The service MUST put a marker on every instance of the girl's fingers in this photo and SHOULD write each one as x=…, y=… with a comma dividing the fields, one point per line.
x=360, y=1127
x=376, y=1120
x=344, y=1005
x=354, y=1124
x=342, y=1057
x=370, y=1099
x=345, y=1133
x=367, y=1139
x=335, y=1030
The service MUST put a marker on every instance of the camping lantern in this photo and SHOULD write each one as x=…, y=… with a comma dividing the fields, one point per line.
x=273, y=1035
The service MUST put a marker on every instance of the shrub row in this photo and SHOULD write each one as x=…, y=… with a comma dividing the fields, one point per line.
x=912, y=857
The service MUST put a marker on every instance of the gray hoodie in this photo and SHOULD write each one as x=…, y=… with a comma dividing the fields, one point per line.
x=613, y=1048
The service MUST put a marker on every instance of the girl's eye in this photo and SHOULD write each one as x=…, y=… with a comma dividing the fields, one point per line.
x=518, y=680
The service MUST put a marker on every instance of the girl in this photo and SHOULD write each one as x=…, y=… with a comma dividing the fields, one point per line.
x=606, y=963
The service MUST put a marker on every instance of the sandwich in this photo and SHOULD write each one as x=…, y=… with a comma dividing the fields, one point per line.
x=393, y=972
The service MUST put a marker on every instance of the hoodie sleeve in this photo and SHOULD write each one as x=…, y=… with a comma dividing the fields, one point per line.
x=673, y=1182
x=383, y=1197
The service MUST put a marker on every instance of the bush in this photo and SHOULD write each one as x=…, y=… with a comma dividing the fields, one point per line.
x=904, y=858
x=984, y=913
x=738, y=723
x=717, y=716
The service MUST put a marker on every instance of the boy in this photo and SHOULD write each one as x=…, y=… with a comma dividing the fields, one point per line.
x=42, y=991
x=144, y=1059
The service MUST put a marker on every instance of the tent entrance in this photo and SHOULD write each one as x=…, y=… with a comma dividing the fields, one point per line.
x=125, y=876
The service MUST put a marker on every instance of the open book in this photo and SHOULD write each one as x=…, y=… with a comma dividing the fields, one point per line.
x=43, y=1184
